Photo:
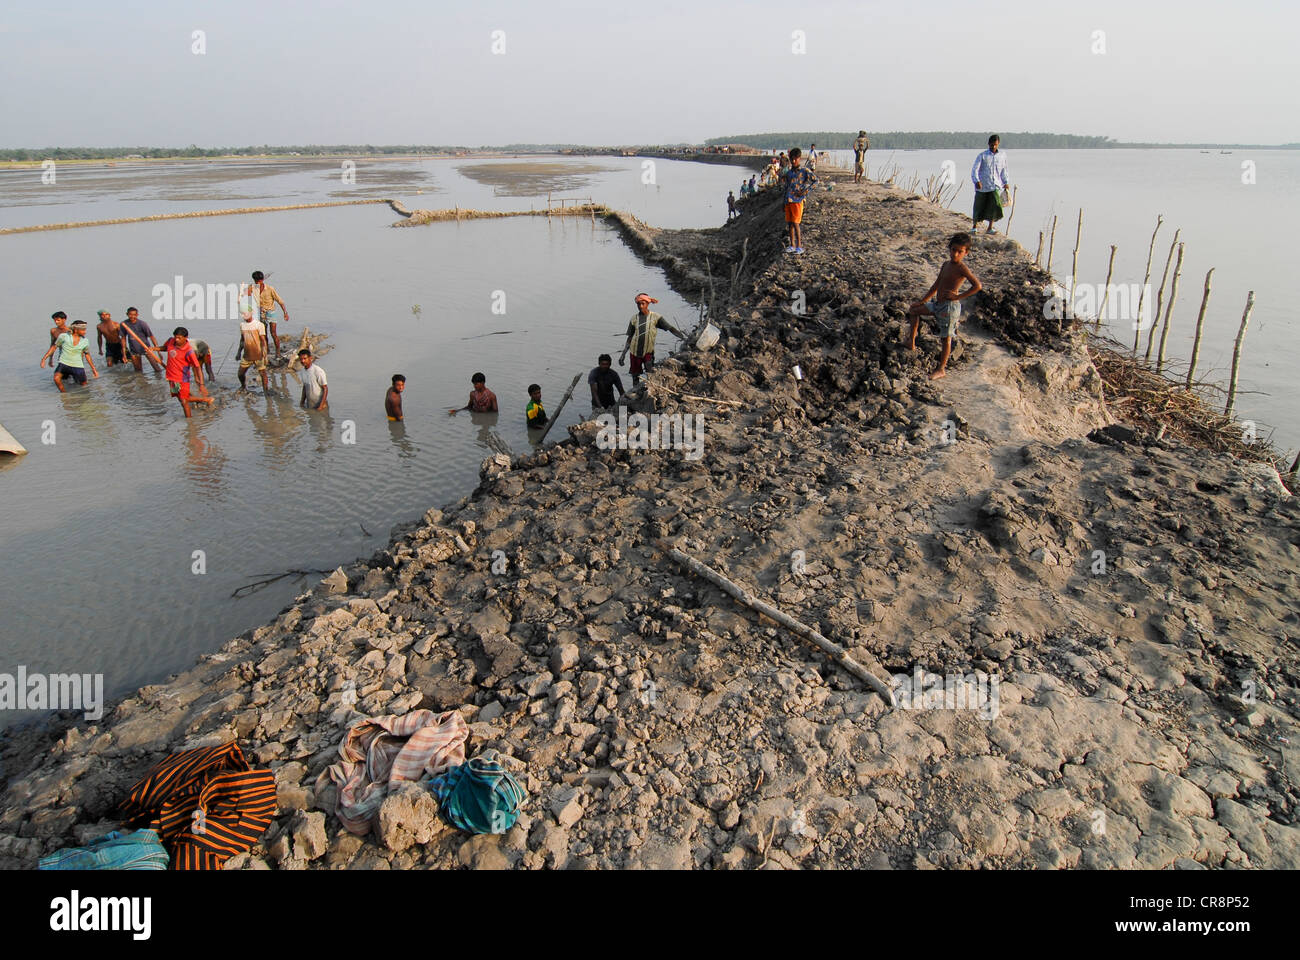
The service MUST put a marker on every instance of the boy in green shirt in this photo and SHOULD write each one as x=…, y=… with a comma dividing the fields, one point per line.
x=535, y=412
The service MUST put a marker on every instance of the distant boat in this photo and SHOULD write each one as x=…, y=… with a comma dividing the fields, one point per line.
x=1205, y=151
x=1228, y=152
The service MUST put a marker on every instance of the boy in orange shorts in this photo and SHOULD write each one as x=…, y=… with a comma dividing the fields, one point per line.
x=798, y=182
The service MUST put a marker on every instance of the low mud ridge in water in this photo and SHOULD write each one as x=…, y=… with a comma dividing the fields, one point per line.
x=1100, y=632
x=530, y=178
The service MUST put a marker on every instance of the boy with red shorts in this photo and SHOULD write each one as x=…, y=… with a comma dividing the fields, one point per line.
x=641, y=336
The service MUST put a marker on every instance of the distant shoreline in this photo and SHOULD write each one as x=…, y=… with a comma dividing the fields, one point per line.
x=762, y=143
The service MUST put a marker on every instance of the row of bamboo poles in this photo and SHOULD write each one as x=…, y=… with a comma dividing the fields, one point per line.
x=190, y=214
x=1174, y=260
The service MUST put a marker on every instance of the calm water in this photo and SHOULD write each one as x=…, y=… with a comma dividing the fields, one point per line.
x=100, y=527
x=1237, y=229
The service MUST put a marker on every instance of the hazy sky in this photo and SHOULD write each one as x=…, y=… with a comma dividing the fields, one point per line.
x=400, y=71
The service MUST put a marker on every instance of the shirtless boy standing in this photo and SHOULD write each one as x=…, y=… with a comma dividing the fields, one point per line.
x=946, y=305
x=107, y=332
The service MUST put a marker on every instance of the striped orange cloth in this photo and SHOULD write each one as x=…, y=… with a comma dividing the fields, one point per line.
x=206, y=804
x=381, y=750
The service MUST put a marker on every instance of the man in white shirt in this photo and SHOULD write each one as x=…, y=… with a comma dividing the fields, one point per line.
x=315, y=389
x=990, y=178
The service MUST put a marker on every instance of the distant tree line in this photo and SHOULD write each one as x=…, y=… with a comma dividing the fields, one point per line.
x=956, y=140
x=915, y=140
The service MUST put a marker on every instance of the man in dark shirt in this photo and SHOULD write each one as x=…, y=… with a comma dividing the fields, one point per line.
x=393, y=399
x=603, y=380
x=139, y=338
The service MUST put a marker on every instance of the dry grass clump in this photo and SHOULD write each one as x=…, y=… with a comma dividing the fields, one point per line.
x=1141, y=397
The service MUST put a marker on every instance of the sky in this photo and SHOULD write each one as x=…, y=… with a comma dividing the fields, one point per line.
x=281, y=72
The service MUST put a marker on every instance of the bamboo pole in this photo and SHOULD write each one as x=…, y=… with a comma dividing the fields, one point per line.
x=1105, y=296
x=1039, y=252
x=1200, y=323
x=1137, y=325
x=1236, y=354
x=833, y=650
x=1051, y=247
x=1169, y=311
x=567, y=393
x=1014, y=191
x=1160, y=296
x=1074, y=265
x=73, y=225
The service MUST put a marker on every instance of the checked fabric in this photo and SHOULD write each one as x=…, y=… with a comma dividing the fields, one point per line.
x=380, y=751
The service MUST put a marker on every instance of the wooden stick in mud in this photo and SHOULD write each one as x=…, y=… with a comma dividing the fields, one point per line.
x=1295, y=465
x=1105, y=296
x=1160, y=296
x=1039, y=252
x=1012, y=213
x=1051, y=246
x=1137, y=325
x=1074, y=266
x=1169, y=312
x=1200, y=323
x=567, y=393
x=1236, y=354
x=691, y=396
x=834, y=650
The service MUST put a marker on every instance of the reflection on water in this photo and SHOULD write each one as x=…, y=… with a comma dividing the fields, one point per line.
x=397, y=432
x=487, y=437
x=204, y=462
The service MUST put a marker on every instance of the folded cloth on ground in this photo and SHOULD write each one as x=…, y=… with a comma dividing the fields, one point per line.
x=119, y=850
x=379, y=751
x=479, y=796
x=206, y=804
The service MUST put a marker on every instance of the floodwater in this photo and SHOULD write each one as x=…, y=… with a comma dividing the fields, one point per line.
x=125, y=538
x=1236, y=227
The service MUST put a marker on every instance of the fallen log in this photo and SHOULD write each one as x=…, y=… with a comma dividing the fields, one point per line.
x=833, y=650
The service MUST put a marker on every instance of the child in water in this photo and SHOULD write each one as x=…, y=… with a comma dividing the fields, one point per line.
x=535, y=412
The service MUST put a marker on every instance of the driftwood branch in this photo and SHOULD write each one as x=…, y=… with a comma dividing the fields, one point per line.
x=833, y=650
x=252, y=587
